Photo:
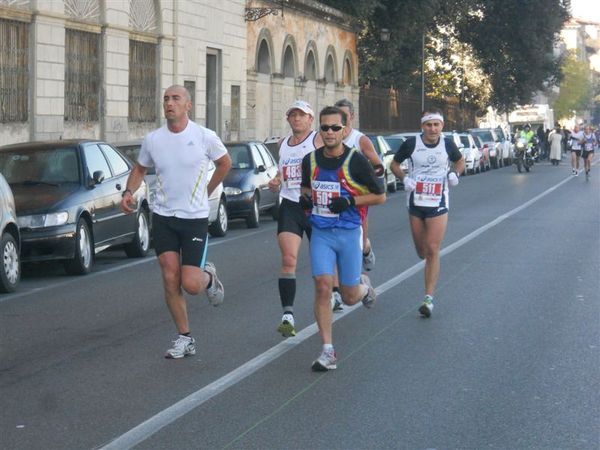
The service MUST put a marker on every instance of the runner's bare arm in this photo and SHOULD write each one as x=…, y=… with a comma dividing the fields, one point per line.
x=223, y=164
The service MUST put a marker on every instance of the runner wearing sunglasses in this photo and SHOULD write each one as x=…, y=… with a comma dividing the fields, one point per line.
x=337, y=182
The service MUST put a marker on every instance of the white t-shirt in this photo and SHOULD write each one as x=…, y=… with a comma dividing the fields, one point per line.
x=290, y=165
x=353, y=139
x=181, y=161
x=575, y=138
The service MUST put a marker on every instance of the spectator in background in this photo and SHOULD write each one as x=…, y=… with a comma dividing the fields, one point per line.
x=541, y=135
x=555, y=139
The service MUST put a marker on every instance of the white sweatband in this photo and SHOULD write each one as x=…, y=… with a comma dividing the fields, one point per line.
x=434, y=116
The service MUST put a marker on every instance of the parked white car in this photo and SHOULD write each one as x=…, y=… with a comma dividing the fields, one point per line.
x=471, y=153
x=506, y=145
x=217, y=217
x=490, y=138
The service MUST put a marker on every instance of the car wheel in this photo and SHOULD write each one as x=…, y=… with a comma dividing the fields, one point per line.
x=494, y=163
x=391, y=187
x=11, y=263
x=138, y=248
x=253, y=218
x=219, y=227
x=82, y=261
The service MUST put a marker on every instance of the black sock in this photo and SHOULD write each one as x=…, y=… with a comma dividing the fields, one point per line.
x=188, y=334
x=336, y=289
x=287, y=292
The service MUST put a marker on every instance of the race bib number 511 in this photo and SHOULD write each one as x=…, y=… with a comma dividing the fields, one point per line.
x=428, y=191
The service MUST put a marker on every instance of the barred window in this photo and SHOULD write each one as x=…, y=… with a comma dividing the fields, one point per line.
x=82, y=76
x=142, y=81
x=14, y=78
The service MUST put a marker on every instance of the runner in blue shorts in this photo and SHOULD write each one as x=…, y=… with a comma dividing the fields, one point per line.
x=337, y=182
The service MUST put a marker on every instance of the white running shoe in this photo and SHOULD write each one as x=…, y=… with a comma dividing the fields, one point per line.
x=369, y=260
x=327, y=361
x=287, y=326
x=336, y=302
x=371, y=296
x=426, y=307
x=215, y=293
x=182, y=346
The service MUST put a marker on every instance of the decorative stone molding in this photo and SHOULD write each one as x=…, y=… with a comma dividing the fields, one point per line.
x=86, y=10
x=142, y=16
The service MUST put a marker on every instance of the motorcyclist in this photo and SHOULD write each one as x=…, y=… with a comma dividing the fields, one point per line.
x=528, y=135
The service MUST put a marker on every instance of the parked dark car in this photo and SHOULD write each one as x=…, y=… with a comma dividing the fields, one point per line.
x=246, y=184
x=217, y=216
x=67, y=197
x=10, y=272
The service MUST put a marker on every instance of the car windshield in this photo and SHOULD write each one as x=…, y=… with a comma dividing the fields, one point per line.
x=51, y=166
x=394, y=142
x=465, y=141
x=240, y=156
x=485, y=135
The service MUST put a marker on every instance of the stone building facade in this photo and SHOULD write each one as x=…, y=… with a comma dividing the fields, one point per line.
x=97, y=68
x=307, y=51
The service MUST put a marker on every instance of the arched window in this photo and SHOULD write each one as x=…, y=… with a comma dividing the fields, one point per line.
x=310, y=73
x=347, y=77
x=264, y=58
x=329, y=70
x=288, y=63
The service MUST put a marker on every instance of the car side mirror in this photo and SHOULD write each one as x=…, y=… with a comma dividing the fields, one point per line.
x=261, y=168
x=98, y=177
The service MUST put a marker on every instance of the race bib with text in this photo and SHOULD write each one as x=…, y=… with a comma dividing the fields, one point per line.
x=428, y=192
x=323, y=192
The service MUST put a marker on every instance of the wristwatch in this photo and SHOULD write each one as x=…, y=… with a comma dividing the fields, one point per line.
x=125, y=192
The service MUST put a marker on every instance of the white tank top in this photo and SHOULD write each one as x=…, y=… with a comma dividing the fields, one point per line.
x=290, y=165
x=353, y=139
x=429, y=168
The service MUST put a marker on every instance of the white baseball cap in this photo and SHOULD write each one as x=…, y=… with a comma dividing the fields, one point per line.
x=302, y=106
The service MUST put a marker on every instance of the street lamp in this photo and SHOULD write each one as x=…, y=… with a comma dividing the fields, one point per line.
x=423, y=72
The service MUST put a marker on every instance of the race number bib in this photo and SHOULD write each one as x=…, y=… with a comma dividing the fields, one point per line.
x=323, y=192
x=589, y=146
x=428, y=192
x=292, y=173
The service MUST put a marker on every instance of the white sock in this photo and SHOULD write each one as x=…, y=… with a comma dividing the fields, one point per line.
x=327, y=347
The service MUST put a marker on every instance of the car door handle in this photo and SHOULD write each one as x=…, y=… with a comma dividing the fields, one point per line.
x=118, y=186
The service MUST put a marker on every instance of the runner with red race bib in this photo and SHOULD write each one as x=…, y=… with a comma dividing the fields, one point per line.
x=426, y=186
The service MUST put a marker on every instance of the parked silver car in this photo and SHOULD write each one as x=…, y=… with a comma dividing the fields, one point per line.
x=490, y=138
x=10, y=272
x=217, y=218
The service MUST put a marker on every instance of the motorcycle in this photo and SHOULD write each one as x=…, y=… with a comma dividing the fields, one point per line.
x=524, y=155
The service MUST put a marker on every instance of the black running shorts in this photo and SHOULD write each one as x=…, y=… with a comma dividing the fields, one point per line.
x=425, y=213
x=577, y=152
x=292, y=219
x=188, y=237
x=586, y=153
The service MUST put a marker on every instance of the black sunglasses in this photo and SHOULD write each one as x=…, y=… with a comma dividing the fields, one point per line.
x=335, y=128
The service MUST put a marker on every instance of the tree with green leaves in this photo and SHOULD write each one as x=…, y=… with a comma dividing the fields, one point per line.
x=511, y=41
x=575, y=89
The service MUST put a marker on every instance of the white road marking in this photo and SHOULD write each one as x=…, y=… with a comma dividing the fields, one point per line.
x=167, y=416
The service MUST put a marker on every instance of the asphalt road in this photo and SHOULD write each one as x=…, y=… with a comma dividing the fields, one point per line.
x=509, y=360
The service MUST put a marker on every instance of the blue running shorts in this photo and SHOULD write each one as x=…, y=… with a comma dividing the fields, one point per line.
x=341, y=246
